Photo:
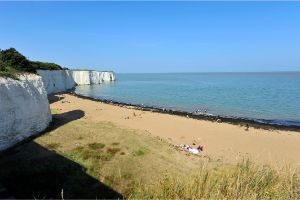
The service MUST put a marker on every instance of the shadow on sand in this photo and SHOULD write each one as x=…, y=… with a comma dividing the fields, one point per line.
x=52, y=98
x=64, y=118
x=29, y=170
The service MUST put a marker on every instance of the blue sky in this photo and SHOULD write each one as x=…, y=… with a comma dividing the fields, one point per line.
x=156, y=36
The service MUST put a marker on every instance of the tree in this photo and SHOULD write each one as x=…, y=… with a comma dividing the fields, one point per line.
x=12, y=58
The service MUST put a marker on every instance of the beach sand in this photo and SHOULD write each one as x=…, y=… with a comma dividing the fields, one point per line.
x=223, y=142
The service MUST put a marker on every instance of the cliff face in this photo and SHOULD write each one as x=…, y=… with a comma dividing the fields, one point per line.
x=24, y=106
x=62, y=80
x=57, y=80
x=108, y=76
x=24, y=109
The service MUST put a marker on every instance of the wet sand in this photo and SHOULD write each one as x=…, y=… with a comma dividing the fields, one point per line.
x=223, y=142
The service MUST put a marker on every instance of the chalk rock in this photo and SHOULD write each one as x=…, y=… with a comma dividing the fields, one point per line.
x=62, y=80
x=24, y=109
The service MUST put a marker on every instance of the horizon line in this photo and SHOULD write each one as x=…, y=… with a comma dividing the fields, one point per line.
x=208, y=72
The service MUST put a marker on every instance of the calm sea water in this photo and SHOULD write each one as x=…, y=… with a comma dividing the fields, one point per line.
x=268, y=96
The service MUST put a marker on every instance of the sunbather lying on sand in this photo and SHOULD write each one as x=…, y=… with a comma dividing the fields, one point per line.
x=197, y=150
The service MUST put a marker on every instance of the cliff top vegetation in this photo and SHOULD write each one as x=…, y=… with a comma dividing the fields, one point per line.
x=13, y=62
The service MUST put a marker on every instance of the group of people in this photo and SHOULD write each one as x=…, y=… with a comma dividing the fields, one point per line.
x=200, y=111
x=188, y=148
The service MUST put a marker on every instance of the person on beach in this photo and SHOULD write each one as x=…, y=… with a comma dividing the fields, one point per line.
x=197, y=150
x=247, y=127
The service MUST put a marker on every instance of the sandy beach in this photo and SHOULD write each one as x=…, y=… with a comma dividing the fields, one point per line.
x=222, y=141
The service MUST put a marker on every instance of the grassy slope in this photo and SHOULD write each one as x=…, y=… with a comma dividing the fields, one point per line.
x=243, y=181
x=10, y=73
x=88, y=160
x=122, y=158
x=117, y=157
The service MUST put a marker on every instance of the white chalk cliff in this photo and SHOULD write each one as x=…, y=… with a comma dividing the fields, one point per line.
x=24, y=109
x=24, y=106
x=62, y=80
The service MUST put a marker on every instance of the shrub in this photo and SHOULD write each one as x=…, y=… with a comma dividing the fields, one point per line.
x=45, y=66
x=13, y=62
x=12, y=58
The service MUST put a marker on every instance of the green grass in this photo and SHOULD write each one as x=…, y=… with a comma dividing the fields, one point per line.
x=244, y=180
x=79, y=138
x=54, y=111
x=138, y=152
x=9, y=74
x=53, y=145
x=135, y=158
x=93, y=152
x=138, y=166
x=113, y=151
x=96, y=146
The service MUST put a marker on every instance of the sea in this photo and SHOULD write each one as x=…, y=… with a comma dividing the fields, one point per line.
x=270, y=97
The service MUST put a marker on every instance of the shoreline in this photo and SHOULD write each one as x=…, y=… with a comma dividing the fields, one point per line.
x=115, y=146
x=223, y=142
x=254, y=123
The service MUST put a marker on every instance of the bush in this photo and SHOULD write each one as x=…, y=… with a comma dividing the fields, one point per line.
x=12, y=58
x=2, y=66
x=13, y=62
x=45, y=66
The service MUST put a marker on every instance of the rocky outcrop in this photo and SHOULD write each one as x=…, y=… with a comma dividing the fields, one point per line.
x=108, y=76
x=62, y=80
x=24, y=109
x=81, y=77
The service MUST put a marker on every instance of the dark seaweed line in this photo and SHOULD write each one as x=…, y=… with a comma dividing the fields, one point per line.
x=230, y=120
